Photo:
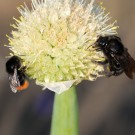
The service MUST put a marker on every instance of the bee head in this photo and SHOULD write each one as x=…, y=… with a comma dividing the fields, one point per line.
x=102, y=42
x=12, y=63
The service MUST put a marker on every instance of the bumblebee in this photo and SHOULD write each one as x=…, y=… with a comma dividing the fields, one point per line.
x=16, y=75
x=116, y=55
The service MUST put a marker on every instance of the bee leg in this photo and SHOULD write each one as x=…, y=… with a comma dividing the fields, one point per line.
x=103, y=62
x=98, y=49
x=107, y=71
x=109, y=74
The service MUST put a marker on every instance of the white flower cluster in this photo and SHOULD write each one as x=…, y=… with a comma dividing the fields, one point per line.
x=56, y=40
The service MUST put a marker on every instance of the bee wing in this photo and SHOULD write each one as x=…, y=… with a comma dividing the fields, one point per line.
x=130, y=69
x=127, y=63
x=14, y=81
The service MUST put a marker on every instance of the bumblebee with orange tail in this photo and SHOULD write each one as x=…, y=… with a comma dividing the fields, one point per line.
x=16, y=75
x=117, y=56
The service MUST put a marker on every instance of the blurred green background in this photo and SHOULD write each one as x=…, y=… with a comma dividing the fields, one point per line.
x=106, y=106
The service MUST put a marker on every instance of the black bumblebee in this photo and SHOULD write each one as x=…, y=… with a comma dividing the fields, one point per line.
x=17, y=78
x=117, y=56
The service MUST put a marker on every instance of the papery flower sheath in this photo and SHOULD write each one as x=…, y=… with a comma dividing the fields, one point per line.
x=56, y=41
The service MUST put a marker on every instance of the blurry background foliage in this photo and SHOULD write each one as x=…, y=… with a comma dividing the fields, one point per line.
x=106, y=106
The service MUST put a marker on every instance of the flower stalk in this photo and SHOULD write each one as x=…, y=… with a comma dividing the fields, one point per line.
x=65, y=114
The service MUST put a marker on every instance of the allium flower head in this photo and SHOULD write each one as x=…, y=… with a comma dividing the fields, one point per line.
x=55, y=41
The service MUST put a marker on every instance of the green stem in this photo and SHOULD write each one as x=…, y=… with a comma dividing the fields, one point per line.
x=65, y=114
